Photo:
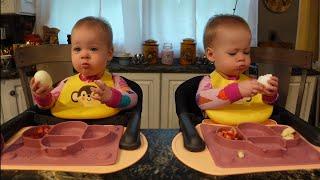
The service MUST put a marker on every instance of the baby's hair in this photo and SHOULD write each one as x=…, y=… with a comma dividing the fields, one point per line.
x=98, y=22
x=221, y=20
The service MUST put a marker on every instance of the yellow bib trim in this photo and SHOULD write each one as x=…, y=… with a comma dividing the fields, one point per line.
x=244, y=110
x=76, y=102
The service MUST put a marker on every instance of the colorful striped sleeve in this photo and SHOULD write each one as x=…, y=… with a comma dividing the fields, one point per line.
x=208, y=97
x=123, y=97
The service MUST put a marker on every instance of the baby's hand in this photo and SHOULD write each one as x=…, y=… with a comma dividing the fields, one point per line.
x=102, y=92
x=250, y=88
x=39, y=90
x=272, y=88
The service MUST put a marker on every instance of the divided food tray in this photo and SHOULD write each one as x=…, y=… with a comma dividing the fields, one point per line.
x=256, y=145
x=67, y=143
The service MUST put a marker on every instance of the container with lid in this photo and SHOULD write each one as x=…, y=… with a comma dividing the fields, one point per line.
x=167, y=54
x=188, y=52
x=150, y=51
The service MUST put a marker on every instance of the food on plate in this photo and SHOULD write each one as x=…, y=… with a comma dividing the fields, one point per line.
x=40, y=132
x=240, y=154
x=288, y=133
x=230, y=134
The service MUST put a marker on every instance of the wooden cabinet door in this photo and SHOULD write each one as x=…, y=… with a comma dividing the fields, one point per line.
x=12, y=99
x=150, y=85
x=308, y=94
x=169, y=83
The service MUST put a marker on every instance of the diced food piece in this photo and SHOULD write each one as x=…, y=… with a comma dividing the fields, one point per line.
x=288, y=137
x=229, y=134
x=240, y=154
x=288, y=133
x=40, y=132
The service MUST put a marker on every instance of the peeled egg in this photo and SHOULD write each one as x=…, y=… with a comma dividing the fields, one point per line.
x=264, y=79
x=43, y=77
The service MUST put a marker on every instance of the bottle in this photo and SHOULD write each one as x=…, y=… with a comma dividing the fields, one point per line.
x=167, y=54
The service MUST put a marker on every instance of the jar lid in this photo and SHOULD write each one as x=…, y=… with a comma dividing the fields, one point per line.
x=188, y=41
x=150, y=42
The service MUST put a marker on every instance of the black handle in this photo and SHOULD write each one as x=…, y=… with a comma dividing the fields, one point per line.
x=130, y=140
x=191, y=139
x=12, y=93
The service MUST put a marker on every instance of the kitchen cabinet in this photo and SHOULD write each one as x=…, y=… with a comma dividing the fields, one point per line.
x=308, y=95
x=150, y=85
x=12, y=99
x=169, y=83
x=158, y=109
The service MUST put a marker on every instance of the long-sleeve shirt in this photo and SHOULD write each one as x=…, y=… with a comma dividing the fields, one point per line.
x=208, y=97
x=123, y=97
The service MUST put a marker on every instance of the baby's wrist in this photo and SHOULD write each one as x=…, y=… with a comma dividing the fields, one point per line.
x=115, y=97
x=43, y=100
x=233, y=93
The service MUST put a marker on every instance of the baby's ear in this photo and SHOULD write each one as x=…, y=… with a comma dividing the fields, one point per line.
x=210, y=53
x=110, y=54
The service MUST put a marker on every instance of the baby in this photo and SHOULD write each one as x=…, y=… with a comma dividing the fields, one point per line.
x=93, y=93
x=227, y=95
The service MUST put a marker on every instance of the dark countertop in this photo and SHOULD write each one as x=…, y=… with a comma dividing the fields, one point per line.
x=158, y=163
x=115, y=67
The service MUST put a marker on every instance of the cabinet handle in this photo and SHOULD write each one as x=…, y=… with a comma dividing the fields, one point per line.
x=12, y=93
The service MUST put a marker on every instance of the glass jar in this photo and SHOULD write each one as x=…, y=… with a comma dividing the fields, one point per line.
x=167, y=54
x=187, y=52
x=150, y=51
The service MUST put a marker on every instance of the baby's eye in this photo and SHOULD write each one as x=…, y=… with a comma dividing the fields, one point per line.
x=232, y=53
x=246, y=52
x=77, y=49
x=94, y=49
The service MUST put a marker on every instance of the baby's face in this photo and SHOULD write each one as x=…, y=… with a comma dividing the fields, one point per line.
x=89, y=51
x=230, y=50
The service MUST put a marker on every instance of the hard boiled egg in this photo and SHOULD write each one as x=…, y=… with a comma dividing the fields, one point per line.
x=43, y=77
x=264, y=79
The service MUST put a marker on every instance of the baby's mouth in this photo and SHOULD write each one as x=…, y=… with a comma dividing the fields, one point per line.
x=242, y=67
x=85, y=65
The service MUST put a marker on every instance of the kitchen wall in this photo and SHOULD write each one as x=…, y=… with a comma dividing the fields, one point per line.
x=284, y=24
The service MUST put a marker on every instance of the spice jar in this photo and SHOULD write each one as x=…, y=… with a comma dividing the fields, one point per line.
x=150, y=51
x=188, y=52
x=167, y=54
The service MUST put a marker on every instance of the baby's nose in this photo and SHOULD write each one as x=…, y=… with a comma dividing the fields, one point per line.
x=85, y=55
x=240, y=56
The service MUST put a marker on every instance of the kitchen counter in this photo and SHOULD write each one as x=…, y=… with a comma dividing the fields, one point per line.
x=115, y=67
x=158, y=163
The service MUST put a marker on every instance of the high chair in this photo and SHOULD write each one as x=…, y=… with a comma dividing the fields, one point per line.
x=281, y=61
x=46, y=56
x=217, y=149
